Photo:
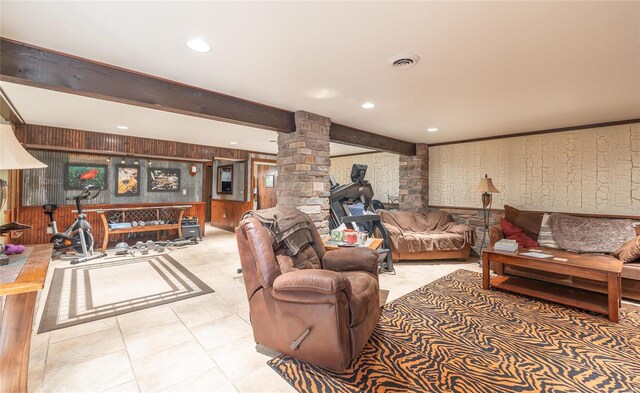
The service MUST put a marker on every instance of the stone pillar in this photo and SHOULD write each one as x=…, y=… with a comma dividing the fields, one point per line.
x=414, y=180
x=303, y=168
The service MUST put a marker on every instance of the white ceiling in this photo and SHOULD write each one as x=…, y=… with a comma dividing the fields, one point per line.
x=487, y=68
x=51, y=108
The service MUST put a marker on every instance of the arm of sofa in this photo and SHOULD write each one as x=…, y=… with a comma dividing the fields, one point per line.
x=351, y=259
x=310, y=286
x=495, y=234
x=467, y=231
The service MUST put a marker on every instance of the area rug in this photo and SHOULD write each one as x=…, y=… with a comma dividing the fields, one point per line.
x=452, y=336
x=86, y=293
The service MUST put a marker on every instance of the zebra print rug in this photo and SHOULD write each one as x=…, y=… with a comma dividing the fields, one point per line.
x=452, y=336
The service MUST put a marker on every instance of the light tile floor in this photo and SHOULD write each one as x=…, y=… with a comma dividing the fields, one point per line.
x=201, y=344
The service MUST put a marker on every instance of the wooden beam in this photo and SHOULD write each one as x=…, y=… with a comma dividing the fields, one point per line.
x=356, y=137
x=43, y=68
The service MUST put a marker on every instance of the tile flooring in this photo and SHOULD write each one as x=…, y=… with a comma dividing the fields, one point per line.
x=201, y=344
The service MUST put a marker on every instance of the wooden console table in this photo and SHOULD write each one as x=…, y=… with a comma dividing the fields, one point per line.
x=19, y=298
x=604, y=269
x=157, y=213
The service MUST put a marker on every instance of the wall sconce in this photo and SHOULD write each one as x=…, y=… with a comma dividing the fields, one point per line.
x=122, y=161
x=135, y=162
x=149, y=162
x=193, y=169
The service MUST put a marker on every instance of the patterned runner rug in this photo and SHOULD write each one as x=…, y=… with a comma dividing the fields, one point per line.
x=452, y=336
x=85, y=293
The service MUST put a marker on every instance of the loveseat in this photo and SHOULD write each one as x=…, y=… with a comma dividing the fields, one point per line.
x=426, y=235
x=531, y=223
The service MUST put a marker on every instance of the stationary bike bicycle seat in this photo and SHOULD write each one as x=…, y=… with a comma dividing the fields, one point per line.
x=49, y=208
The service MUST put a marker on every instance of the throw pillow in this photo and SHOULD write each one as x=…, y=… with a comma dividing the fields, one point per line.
x=545, y=238
x=529, y=222
x=585, y=234
x=513, y=232
x=630, y=251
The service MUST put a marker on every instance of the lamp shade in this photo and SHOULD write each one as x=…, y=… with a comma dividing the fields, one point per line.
x=12, y=154
x=486, y=185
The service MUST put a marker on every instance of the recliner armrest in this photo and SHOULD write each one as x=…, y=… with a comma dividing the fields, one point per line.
x=310, y=286
x=495, y=234
x=351, y=259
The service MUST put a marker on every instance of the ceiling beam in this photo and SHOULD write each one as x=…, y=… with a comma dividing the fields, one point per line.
x=43, y=68
x=356, y=137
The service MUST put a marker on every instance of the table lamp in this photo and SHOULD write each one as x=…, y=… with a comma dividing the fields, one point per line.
x=13, y=156
x=487, y=188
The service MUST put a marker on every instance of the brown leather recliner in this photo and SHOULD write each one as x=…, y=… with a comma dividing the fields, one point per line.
x=337, y=302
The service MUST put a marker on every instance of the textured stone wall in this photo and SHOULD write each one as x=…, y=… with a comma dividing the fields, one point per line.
x=414, y=180
x=303, y=168
x=382, y=172
x=584, y=171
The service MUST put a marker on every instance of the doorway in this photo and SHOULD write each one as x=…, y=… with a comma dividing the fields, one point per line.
x=265, y=180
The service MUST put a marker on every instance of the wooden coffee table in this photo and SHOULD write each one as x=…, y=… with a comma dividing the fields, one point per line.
x=602, y=268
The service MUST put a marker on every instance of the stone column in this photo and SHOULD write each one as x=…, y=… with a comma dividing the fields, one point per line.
x=414, y=180
x=303, y=168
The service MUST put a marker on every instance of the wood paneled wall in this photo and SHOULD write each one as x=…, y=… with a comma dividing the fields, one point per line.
x=54, y=138
x=34, y=216
x=227, y=214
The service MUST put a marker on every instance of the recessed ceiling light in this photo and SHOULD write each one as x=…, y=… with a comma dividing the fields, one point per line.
x=122, y=127
x=432, y=129
x=368, y=105
x=233, y=143
x=198, y=45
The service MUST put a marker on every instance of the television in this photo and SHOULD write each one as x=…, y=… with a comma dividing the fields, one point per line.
x=358, y=172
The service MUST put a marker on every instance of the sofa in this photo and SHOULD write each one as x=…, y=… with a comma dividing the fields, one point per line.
x=323, y=311
x=426, y=235
x=531, y=223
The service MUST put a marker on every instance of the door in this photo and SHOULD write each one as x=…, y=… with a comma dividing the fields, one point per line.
x=207, y=184
x=266, y=178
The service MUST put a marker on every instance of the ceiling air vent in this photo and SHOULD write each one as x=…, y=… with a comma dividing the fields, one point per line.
x=404, y=61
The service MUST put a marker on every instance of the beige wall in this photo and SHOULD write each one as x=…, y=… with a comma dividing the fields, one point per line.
x=588, y=171
x=4, y=174
x=382, y=172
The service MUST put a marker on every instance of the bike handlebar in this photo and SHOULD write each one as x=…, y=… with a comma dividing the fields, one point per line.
x=86, y=193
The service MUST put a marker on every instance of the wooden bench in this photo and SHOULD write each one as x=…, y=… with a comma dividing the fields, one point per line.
x=151, y=213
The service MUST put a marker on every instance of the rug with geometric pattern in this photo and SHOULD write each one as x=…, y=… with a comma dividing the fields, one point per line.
x=106, y=288
x=453, y=336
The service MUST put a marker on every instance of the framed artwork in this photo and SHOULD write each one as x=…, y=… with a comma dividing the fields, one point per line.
x=268, y=181
x=163, y=179
x=78, y=175
x=225, y=179
x=127, y=180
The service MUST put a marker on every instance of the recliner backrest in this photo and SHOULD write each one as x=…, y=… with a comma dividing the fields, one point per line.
x=258, y=260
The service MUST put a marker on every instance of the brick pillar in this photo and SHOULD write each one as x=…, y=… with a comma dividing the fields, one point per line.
x=303, y=168
x=414, y=180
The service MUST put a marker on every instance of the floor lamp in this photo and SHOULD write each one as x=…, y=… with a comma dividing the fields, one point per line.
x=487, y=188
x=12, y=156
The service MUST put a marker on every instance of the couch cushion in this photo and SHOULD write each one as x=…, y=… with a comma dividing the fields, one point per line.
x=630, y=251
x=364, y=295
x=529, y=222
x=421, y=241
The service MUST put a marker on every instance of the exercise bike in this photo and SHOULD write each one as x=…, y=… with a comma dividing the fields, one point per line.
x=77, y=237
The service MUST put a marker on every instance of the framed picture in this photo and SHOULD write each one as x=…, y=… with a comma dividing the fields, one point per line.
x=127, y=180
x=225, y=179
x=78, y=175
x=163, y=179
x=268, y=181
